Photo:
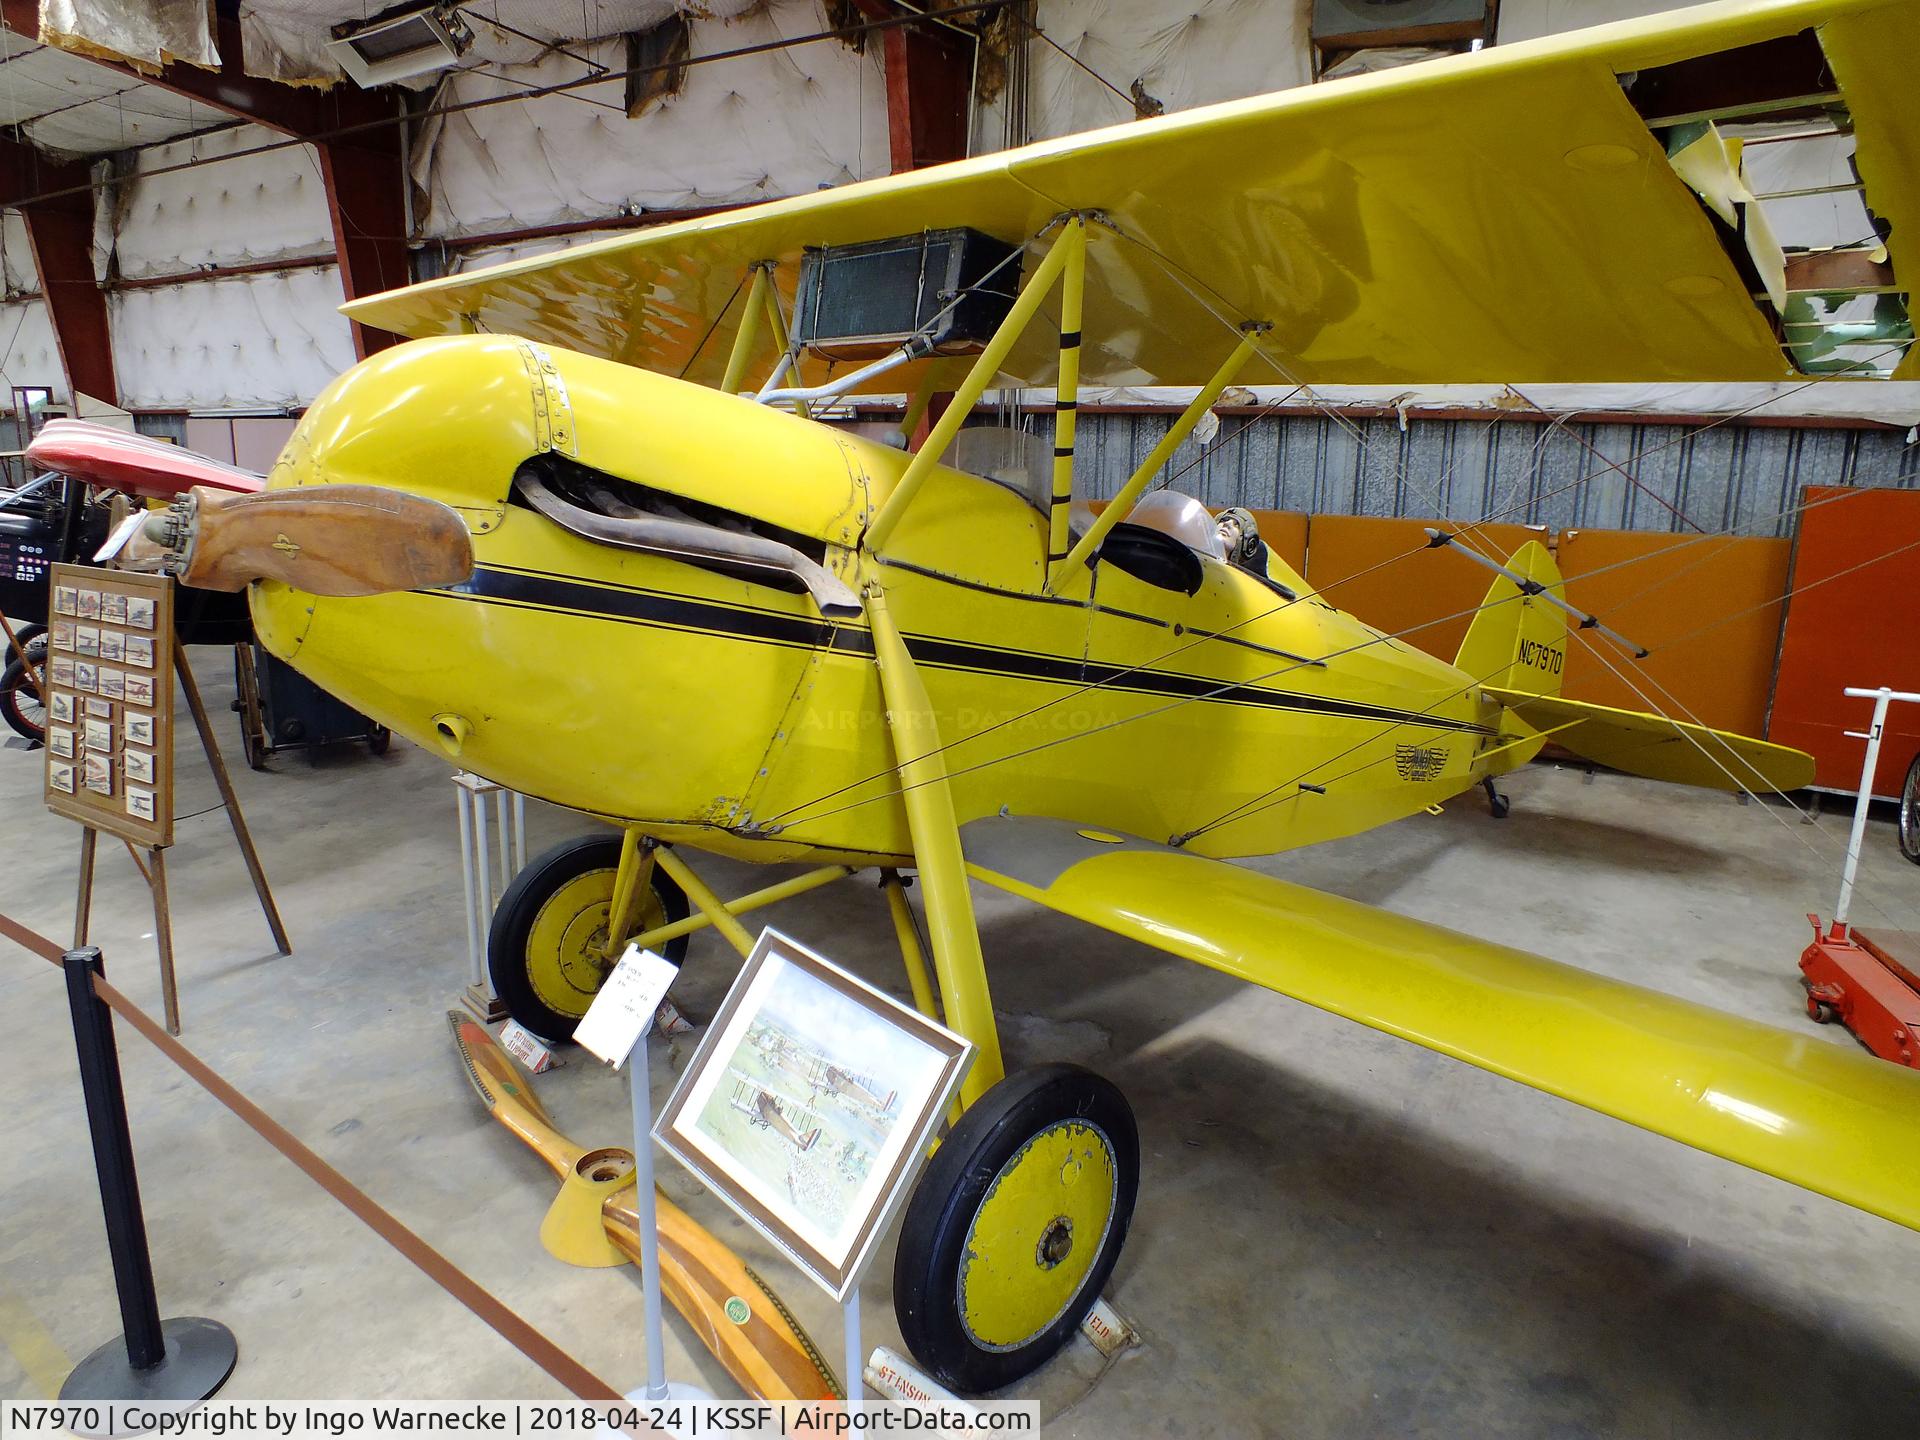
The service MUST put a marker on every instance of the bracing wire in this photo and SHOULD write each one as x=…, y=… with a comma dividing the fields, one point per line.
x=1263, y=801
x=1792, y=829
x=785, y=819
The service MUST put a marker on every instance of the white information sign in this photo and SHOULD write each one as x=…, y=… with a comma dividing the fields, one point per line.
x=623, y=1010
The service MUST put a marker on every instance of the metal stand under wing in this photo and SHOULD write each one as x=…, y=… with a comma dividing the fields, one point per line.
x=1833, y=1121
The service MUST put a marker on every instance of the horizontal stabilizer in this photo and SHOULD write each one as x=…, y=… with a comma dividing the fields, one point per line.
x=1659, y=748
x=1819, y=1115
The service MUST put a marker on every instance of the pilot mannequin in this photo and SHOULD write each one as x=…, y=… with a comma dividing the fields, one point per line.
x=1240, y=536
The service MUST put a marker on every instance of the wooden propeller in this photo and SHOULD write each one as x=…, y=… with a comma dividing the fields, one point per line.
x=323, y=539
x=767, y=1353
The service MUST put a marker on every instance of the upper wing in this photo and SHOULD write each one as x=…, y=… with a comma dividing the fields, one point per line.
x=1823, y=1117
x=1659, y=748
x=135, y=464
x=1500, y=216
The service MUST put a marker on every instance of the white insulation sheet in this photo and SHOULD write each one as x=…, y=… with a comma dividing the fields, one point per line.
x=751, y=128
x=231, y=208
x=248, y=341
x=29, y=352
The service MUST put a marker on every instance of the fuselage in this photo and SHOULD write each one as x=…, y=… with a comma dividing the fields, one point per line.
x=737, y=716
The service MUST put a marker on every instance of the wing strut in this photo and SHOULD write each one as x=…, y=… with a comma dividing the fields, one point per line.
x=1071, y=243
x=1122, y=503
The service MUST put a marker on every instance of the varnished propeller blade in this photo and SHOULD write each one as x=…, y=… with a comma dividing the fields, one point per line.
x=767, y=1353
x=324, y=539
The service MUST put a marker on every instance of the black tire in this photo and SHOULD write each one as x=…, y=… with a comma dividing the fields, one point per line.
x=33, y=639
x=551, y=1001
x=379, y=738
x=21, y=705
x=246, y=684
x=1044, y=1106
x=1910, y=813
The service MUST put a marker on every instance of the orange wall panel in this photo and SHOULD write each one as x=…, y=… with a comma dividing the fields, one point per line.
x=1852, y=623
x=1285, y=532
x=1365, y=565
x=1660, y=591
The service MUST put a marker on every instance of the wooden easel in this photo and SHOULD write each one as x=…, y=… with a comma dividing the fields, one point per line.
x=154, y=868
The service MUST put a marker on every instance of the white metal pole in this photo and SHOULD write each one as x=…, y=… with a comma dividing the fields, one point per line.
x=463, y=806
x=506, y=838
x=519, y=832
x=640, y=1080
x=856, y=1363
x=482, y=863
x=1881, y=698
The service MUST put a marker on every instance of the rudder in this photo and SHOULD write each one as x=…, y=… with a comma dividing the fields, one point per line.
x=1518, y=641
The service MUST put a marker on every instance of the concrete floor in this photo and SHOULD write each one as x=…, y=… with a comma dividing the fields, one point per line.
x=1339, y=1235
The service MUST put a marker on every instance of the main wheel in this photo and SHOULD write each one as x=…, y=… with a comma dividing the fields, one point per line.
x=1910, y=813
x=21, y=704
x=1016, y=1225
x=253, y=727
x=543, y=949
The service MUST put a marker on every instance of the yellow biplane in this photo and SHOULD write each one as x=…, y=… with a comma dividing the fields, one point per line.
x=583, y=535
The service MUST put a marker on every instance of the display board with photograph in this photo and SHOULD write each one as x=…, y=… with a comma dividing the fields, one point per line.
x=809, y=1105
x=109, y=677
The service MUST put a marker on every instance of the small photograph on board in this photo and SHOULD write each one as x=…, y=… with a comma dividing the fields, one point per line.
x=139, y=765
x=86, y=676
x=98, y=770
x=113, y=683
x=60, y=705
x=86, y=640
x=99, y=735
x=113, y=645
x=63, y=634
x=99, y=705
x=59, y=741
x=62, y=672
x=89, y=608
x=66, y=600
x=140, y=651
x=140, y=612
x=139, y=688
x=113, y=606
x=140, y=803
x=139, y=728
x=60, y=777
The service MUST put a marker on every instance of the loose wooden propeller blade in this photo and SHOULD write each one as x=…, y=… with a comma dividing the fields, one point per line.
x=324, y=539
x=768, y=1354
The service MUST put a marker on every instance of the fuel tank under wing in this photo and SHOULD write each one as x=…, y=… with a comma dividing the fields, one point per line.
x=1835, y=1122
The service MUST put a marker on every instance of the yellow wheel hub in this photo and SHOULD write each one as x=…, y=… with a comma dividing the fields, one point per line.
x=1038, y=1231
x=566, y=959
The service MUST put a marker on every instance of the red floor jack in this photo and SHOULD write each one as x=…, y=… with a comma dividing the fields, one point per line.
x=1866, y=982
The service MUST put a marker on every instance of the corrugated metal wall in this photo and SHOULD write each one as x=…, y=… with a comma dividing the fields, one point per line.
x=1729, y=477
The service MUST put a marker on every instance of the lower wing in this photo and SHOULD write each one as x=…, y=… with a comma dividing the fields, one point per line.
x=1825, y=1118
x=1659, y=748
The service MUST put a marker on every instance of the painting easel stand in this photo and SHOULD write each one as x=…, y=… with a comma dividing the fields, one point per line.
x=154, y=868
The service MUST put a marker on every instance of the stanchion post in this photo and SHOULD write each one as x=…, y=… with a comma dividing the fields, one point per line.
x=184, y=1359
x=640, y=1076
x=856, y=1362
x=113, y=1159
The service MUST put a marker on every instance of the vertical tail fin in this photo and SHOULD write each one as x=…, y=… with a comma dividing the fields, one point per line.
x=1518, y=642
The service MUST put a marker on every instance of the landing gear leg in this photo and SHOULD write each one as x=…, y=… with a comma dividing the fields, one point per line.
x=1497, y=804
x=1016, y=1224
